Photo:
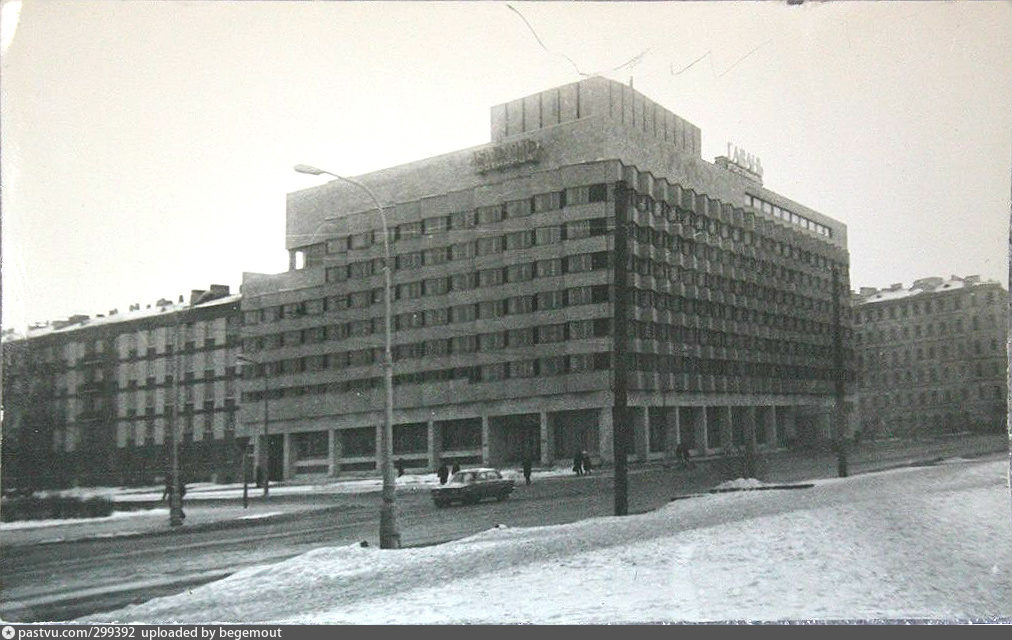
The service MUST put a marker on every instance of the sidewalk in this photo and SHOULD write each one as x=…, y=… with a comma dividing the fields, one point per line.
x=209, y=506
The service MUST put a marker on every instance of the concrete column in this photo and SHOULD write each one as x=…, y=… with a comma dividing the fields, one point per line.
x=750, y=426
x=641, y=432
x=546, y=439
x=672, y=434
x=770, y=427
x=700, y=428
x=485, y=440
x=434, y=442
x=605, y=430
x=333, y=452
x=726, y=434
x=287, y=457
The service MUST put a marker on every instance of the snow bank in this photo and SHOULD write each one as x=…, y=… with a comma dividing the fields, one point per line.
x=116, y=515
x=740, y=483
x=931, y=543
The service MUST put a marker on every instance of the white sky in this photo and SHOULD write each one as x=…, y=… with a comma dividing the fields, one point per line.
x=147, y=147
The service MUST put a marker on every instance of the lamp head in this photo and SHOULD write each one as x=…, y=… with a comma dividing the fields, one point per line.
x=305, y=168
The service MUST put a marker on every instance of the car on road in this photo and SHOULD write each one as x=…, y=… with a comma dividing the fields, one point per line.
x=469, y=486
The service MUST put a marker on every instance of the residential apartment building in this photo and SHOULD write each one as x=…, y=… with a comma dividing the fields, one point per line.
x=90, y=400
x=932, y=357
x=588, y=256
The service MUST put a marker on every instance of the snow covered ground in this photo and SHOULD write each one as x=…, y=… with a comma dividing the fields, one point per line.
x=210, y=491
x=929, y=542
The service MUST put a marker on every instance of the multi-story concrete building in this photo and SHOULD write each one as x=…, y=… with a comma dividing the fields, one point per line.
x=932, y=358
x=587, y=257
x=89, y=400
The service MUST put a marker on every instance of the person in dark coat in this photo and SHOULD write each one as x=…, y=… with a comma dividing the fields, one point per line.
x=170, y=488
x=527, y=469
x=400, y=467
x=578, y=463
x=586, y=462
x=443, y=473
x=456, y=467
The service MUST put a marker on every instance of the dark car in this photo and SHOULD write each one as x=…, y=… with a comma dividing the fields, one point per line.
x=468, y=486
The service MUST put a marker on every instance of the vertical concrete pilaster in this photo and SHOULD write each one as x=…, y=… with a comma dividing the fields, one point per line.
x=546, y=439
x=770, y=427
x=700, y=427
x=672, y=433
x=605, y=430
x=641, y=432
x=286, y=457
x=485, y=440
x=726, y=431
x=433, y=444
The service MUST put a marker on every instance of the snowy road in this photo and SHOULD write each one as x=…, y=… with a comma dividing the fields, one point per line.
x=920, y=542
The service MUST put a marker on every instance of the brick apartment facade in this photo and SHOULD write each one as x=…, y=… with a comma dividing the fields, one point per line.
x=506, y=304
x=89, y=401
x=932, y=358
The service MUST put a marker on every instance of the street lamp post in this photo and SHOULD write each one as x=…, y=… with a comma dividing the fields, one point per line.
x=175, y=499
x=266, y=453
x=390, y=537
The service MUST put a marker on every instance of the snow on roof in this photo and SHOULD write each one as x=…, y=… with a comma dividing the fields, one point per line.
x=893, y=293
x=124, y=316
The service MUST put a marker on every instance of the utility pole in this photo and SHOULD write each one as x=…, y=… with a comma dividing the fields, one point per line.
x=838, y=379
x=175, y=500
x=620, y=337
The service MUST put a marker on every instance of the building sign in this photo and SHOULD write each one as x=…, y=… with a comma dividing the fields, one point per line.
x=743, y=163
x=510, y=154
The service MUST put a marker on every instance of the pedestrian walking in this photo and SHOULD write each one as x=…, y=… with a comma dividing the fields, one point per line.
x=585, y=457
x=456, y=467
x=578, y=463
x=400, y=467
x=443, y=473
x=527, y=469
x=170, y=489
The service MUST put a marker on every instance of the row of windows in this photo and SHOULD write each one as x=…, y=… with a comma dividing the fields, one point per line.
x=926, y=375
x=651, y=362
x=470, y=343
x=660, y=239
x=208, y=409
x=934, y=396
x=543, y=301
x=917, y=307
x=578, y=263
x=787, y=215
x=691, y=335
x=469, y=219
x=469, y=250
x=877, y=357
x=554, y=365
x=955, y=326
x=672, y=272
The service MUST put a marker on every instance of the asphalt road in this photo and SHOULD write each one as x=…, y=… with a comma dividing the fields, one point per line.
x=56, y=582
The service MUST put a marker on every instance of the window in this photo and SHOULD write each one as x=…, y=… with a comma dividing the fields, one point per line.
x=409, y=290
x=490, y=214
x=489, y=309
x=436, y=286
x=435, y=256
x=462, y=220
x=413, y=320
x=462, y=251
x=519, y=240
x=547, y=201
x=523, y=369
x=520, y=272
x=580, y=329
x=598, y=192
x=491, y=341
x=518, y=304
x=577, y=229
x=489, y=246
x=439, y=347
x=493, y=372
x=579, y=295
x=436, y=317
x=579, y=263
x=464, y=344
x=411, y=260
x=551, y=300
x=358, y=442
x=520, y=337
x=518, y=208
x=552, y=333
x=490, y=277
x=463, y=281
x=548, y=268
x=552, y=366
x=435, y=225
x=360, y=269
x=463, y=313
x=409, y=230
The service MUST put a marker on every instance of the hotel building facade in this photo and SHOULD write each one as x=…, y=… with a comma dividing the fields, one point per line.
x=932, y=358
x=587, y=257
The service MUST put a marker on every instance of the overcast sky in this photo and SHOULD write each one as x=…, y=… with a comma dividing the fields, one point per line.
x=148, y=147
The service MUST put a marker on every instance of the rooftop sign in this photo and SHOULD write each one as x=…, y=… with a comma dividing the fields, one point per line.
x=506, y=155
x=743, y=163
